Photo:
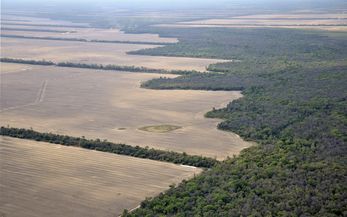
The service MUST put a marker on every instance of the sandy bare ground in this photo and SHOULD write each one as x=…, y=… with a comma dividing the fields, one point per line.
x=110, y=105
x=102, y=53
x=43, y=179
x=324, y=21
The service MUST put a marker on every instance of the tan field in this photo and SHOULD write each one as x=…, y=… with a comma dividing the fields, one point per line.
x=326, y=28
x=269, y=22
x=9, y=68
x=111, y=105
x=75, y=32
x=324, y=21
x=101, y=53
x=87, y=33
x=299, y=15
x=43, y=179
x=37, y=20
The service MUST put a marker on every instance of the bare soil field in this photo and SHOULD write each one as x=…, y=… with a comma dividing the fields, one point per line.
x=111, y=105
x=43, y=179
x=74, y=31
x=87, y=33
x=327, y=28
x=324, y=21
x=23, y=19
x=9, y=68
x=101, y=53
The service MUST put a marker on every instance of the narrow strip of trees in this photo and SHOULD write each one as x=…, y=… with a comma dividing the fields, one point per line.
x=44, y=25
x=98, y=66
x=105, y=146
x=35, y=30
x=81, y=39
x=31, y=62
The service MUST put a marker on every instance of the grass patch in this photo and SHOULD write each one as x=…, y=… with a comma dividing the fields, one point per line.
x=160, y=128
x=122, y=128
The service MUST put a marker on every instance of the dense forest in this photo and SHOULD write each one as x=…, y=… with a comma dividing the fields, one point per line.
x=295, y=90
x=105, y=146
x=97, y=66
x=248, y=43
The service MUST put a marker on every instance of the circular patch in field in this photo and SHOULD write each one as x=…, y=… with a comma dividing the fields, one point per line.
x=160, y=128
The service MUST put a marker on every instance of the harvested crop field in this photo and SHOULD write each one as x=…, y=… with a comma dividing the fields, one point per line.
x=101, y=53
x=35, y=21
x=43, y=179
x=324, y=21
x=84, y=33
x=88, y=52
x=111, y=105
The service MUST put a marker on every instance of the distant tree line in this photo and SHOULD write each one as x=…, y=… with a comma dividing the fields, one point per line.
x=35, y=30
x=79, y=39
x=131, y=42
x=43, y=38
x=98, y=66
x=105, y=146
x=44, y=25
x=124, y=68
x=31, y=62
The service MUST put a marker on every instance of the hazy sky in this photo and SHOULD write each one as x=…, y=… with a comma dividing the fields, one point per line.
x=152, y=3
x=171, y=4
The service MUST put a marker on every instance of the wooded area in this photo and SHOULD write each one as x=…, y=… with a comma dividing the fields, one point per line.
x=294, y=106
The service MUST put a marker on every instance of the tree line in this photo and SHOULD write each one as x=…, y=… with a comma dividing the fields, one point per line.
x=36, y=30
x=77, y=39
x=105, y=146
x=98, y=66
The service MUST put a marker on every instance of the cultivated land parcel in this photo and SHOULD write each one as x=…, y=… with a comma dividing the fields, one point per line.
x=43, y=179
x=100, y=53
x=111, y=105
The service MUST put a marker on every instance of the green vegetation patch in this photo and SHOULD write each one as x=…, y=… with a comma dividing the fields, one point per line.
x=122, y=128
x=160, y=128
